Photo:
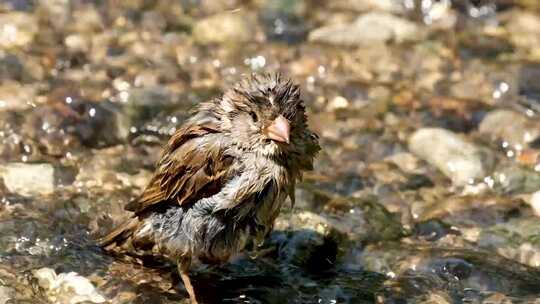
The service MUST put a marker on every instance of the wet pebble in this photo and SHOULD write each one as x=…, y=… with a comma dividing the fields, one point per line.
x=515, y=239
x=67, y=288
x=224, y=28
x=459, y=160
x=17, y=29
x=104, y=170
x=534, y=201
x=6, y=294
x=383, y=27
x=515, y=130
x=515, y=179
x=68, y=122
x=282, y=26
x=143, y=104
x=368, y=5
x=528, y=82
x=28, y=179
x=432, y=230
x=14, y=96
x=524, y=31
x=11, y=67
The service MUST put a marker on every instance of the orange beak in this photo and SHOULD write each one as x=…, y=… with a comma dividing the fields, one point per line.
x=279, y=130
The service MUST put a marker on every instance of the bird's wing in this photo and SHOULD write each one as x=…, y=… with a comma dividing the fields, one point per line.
x=192, y=167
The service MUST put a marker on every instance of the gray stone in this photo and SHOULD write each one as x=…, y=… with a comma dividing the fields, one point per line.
x=14, y=96
x=524, y=29
x=376, y=27
x=516, y=179
x=456, y=158
x=6, y=294
x=68, y=288
x=17, y=29
x=28, y=179
x=511, y=127
x=516, y=239
x=393, y=6
x=224, y=28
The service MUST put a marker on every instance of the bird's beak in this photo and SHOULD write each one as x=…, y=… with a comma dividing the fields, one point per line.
x=279, y=130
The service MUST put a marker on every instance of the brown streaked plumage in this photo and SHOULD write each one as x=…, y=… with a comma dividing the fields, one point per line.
x=222, y=177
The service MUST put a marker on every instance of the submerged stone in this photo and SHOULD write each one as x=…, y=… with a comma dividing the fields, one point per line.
x=224, y=28
x=28, y=179
x=376, y=27
x=461, y=161
x=67, y=288
x=513, y=128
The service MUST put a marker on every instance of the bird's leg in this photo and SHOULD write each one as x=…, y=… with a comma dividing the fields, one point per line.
x=183, y=269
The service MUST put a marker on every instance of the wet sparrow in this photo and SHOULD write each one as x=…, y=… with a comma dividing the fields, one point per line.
x=223, y=176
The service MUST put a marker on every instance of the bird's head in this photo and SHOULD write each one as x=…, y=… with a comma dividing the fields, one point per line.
x=265, y=114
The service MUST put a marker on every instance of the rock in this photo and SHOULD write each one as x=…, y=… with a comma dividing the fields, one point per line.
x=67, y=288
x=514, y=179
x=511, y=127
x=406, y=162
x=28, y=179
x=17, y=29
x=150, y=110
x=363, y=220
x=367, y=29
x=57, y=12
x=145, y=103
x=534, y=201
x=315, y=241
x=6, y=295
x=459, y=160
x=391, y=6
x=86, y=20
x=11, y=67
x=338, y=102
x=224, y=28
x=308, y=240
x=77, y=43
x=524, y=30
x=14, y=96
x=105, y=170
x=282, y=26
x=528, y=81
x=515, y=239
x=67, y=122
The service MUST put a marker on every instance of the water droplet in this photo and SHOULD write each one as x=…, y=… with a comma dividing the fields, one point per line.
x=45, y=126
x=124, y=96
x=489, y=181
x=504, y=87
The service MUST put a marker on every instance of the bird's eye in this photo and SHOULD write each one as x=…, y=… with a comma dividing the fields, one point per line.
x=254, y=116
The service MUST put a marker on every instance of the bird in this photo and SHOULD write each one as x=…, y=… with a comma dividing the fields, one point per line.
x=222, y=177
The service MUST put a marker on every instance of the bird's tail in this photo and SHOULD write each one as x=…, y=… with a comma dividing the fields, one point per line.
x=120, y=235
x=131, y=242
